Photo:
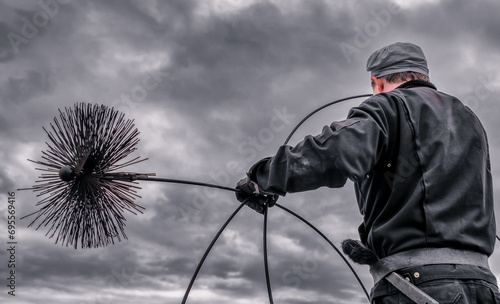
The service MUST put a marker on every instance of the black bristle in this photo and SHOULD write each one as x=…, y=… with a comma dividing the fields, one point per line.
x=80, y=205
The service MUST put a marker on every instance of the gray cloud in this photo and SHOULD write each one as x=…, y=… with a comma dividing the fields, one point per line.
x=22, y=89
x=204, y=80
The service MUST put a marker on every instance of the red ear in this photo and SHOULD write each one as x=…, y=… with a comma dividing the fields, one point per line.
x=378, y=85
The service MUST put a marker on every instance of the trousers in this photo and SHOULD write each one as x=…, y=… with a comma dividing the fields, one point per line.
x=460, y=284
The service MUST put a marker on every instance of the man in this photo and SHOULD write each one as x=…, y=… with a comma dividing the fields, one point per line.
x=420, y=164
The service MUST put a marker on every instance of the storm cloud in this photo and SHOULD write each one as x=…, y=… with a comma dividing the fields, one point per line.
x=214, y=86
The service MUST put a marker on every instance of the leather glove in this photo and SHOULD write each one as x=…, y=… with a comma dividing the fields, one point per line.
x=253, y=196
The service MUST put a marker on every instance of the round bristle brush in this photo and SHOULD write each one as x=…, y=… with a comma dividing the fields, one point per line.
x=85, y=196
x=80, y=206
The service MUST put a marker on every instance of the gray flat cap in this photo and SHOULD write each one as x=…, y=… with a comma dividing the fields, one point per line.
x=396, y=58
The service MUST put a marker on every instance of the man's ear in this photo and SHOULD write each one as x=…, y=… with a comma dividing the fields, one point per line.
x=379, y=85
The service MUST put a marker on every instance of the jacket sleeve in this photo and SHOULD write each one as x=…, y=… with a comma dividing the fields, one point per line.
x=345, y=149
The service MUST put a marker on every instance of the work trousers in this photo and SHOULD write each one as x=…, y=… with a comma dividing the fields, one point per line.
x=446, y=284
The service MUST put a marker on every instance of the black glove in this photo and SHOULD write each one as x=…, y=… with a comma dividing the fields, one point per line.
x=253, y=196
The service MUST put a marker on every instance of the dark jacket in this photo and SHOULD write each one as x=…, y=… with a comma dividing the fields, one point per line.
x=420, y=163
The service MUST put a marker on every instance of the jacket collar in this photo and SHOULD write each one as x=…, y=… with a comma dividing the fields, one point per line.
x=416, y=83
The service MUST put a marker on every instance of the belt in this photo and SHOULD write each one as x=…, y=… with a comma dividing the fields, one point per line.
x=426, y=256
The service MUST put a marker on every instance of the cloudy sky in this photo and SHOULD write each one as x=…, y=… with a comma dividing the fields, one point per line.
x=213, y=87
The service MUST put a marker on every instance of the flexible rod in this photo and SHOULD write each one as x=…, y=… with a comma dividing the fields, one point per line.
x=329, y=242
x=207, y=251
x=187, y=182
x=321, y=108
x=266, y=264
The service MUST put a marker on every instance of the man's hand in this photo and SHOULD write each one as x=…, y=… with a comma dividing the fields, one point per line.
x=253, y=196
